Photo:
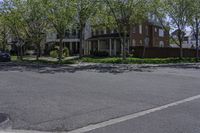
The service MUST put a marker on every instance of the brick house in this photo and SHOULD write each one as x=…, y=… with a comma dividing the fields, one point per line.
x=149, y=34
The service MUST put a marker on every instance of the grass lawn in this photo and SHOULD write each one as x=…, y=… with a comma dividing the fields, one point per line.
x=131, y=60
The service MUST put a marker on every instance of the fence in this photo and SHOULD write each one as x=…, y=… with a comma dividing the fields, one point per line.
x=155, y=52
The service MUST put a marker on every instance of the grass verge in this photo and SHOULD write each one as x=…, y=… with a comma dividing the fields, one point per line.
x=131, y=60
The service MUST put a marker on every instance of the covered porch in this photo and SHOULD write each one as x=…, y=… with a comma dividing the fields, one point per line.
x=112, y=46
x=72, y=46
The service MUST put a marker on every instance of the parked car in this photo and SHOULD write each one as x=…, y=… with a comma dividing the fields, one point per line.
x=4, y=57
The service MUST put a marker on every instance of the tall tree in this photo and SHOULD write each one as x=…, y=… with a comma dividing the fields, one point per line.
x=27, y=21
x=85, y=9
x=34, y=19
x=3, y=33
x=123, y=14
x=60, y=15
x=194, y=22
x=178, y=17
x=15, y=23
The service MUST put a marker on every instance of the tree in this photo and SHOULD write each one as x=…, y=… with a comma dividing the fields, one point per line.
x=123, y=14
x=3, y=33
x=15, y=24
x=194, y=22
x=86, y=9
x=178, y=15
x=34, y=19
x=60, y=15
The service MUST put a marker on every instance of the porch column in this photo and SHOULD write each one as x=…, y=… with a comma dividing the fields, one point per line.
x=85, y=47
x=115, y=47
x=89, y=49
x=70, y=46
x=110, y=47
x=98, y=45
x=76, y=46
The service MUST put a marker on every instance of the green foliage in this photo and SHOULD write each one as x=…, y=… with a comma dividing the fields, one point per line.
x=54, y=54
x=66, y=52
x=60, y=15
x=123, y=15
x=130, y=60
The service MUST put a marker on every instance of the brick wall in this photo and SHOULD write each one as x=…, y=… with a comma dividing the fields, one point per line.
x=153, y=35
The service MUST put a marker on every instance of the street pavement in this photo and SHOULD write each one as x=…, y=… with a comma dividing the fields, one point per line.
x=65, y=98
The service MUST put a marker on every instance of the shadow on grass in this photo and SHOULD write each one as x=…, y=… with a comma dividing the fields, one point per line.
x=112, y=65
x=56, y=68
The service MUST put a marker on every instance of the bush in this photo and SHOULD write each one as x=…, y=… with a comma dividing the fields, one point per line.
x=100, y=53
x=54, y=54
x=66, y=52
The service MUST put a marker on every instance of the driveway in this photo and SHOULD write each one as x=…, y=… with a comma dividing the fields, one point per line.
x=64, y=98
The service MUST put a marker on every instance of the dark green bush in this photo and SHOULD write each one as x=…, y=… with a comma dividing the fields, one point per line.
x=66, y=52
x=54, y=54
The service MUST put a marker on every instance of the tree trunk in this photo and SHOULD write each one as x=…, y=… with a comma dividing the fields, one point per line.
x=144, y=52
x=197, y=40
x=180, y=43
x=4, y=46
x=60, y=50
x=81, y=43
x=197, y=50
x=131, y=40
x=181, y=51
x=21, y=52
x=18, y=53
x=124, y=47
x=38, y=52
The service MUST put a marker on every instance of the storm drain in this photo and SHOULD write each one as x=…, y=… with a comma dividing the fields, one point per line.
x=4, y=121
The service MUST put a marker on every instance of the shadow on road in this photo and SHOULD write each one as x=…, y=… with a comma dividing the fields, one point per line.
x=52, y=69
x=177, y=66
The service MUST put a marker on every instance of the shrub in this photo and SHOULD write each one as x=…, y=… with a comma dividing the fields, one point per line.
x=66, y=52
x=100, y=53
x=54, y=54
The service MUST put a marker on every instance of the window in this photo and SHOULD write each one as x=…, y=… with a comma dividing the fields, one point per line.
x=161, y=44
x=149, y=16
x=134, y=29
x=140, y=42
x=105, y=31
x=102, y=32
x=140, y=29
x=97, y=33
x=67, y=33
x=108, y=31
x=115, y=31
x=93, y=33
x=156, y=30
x=73, y=32
x=161, y=33
x=133, y=42
x=147, y=30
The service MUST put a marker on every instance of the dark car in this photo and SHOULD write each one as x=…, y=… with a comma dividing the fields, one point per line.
x=4, y=57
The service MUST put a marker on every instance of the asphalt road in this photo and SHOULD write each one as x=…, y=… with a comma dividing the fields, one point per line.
x=64, y=98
